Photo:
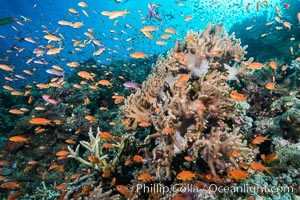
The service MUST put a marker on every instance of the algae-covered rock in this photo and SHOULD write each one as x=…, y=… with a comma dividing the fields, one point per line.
x=289, y=123
x=288, y=158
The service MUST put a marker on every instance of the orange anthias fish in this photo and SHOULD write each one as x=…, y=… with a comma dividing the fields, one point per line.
x=273, y=65
x=15, y=195
x=115, y=14
x=186, y=176
x=57, y=167
x=85, y=75
x=8, y=87
x=255, y=66
x=40, y=121
x=149, y=28
x=32, y=162
x=105, y=136
x=160, y=42
x=6, y=67
x=238, y=96
x=16, y=111
x=270, y=86
x=165, y=36
x=90, y=118
x=118, y=99
x=70, y=141
x=137, y=159
x=73, y=64
x=277, y=10
x=189, y=39
x=54, y=51
x=188, y=18
x=104, y=82
x=98, y=52
x=10, y=185
x=171, y=30
x=235, y=153
x=269, y=158
x=260, y=139
x=138, y=55
x=284, y=67
x=144, y=124
x=18, y=139
x=287, y=25
x=145, y=177
x=52, y=37
x=184, y=77
x=77, y=25
x=82, y=4
x=62, y=153
x=62, y=186
x=108, y=146
x=238, y=174
x=126, y=122
x=259, y=167
x=94, y=159
x=124, y=191
x=188, y=158
x=106, y=172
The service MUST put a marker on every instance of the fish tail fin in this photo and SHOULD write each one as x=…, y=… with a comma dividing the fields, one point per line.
x=125, y=12
x=268, y=171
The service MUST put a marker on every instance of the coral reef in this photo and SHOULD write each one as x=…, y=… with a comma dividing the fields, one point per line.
x=200, y=112
x=95, y=148
x=288, y=154
x=186, y=92
x=217, y=149
x=290, y=124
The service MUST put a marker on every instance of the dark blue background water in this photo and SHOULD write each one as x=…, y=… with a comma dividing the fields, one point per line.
x=173, y=13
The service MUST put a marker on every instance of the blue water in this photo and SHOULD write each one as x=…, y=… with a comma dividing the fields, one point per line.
x=45, y=15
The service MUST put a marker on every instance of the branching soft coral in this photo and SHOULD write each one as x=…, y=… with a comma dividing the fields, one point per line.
x=216, y=148
x=214, y=42
x=213, y=94
x=138, y=106
x=188, y=90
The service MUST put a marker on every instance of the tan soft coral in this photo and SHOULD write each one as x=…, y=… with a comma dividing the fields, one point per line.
x=214, y=42
x=137, y=108
x=216, y=148
x=139, y=105
x=188, y=91
x=212, y=92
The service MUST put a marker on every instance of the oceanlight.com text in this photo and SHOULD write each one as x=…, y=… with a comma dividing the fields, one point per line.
x=212, y=188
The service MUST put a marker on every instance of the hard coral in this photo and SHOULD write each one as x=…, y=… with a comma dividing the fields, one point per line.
x=95, y=148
